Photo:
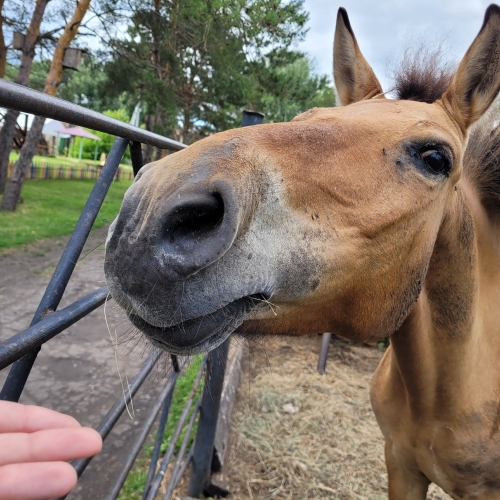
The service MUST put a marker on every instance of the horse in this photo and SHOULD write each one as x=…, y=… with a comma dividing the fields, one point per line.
x=379, y=217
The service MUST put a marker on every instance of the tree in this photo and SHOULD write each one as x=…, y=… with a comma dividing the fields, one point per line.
x=10, y=118
x=3, y=47
x=84, y=86
x=186, y=61
x=70, y=31
x=286, y=87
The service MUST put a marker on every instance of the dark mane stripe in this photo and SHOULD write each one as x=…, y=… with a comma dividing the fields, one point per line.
x=422, y=75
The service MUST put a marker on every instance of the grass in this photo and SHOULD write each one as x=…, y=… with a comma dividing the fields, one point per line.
x=52, y=207
x=134, y=485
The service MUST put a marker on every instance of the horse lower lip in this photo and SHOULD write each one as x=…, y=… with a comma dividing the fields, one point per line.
x=197, y=331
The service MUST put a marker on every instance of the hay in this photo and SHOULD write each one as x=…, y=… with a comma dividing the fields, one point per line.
x=330, y=448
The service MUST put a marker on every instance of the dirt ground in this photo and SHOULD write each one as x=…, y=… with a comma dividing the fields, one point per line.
x=76, y=372
x=297, y=434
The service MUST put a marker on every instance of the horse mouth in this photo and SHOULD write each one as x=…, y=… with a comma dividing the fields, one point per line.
x=200, y=334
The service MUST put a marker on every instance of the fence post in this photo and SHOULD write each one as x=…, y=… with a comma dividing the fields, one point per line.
x=251, y=118
x=201, y=467
x=323, y=353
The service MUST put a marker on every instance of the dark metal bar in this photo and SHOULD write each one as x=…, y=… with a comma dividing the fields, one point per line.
x=175, y=362
x=28, y=100
x=186, y=463
x=21, y=369
x=109, y=421
x=34, y=336
x=203, y=451
x=251, y=118
x=136, y=156
x=155, y=484
x=323, y=353
x=157, y=447
x=174, y=478
x=165, y=396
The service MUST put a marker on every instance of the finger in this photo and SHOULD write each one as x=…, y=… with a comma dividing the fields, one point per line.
x=15, y=417
x=36, y=481
x=49, y=445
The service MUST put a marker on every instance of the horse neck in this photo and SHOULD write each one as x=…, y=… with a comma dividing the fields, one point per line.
x=446, y=353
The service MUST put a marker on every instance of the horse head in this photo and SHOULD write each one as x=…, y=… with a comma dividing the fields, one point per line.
x=325, y=223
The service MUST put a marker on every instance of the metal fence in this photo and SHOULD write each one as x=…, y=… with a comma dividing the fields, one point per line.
x=21, y=350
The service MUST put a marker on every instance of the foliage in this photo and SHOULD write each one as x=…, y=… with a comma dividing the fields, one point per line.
x=195, y=65
x=52, y=207
x=84, y=87
x=287, y=89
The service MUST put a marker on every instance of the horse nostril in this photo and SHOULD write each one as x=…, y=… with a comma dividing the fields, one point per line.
x=197, y=228
x=194, y=220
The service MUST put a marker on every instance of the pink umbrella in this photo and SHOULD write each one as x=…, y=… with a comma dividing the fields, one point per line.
x=79, y=132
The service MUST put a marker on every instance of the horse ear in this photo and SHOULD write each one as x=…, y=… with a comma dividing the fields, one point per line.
x=477, y=81
x=354, y=77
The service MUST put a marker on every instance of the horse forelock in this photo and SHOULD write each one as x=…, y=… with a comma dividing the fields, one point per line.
x=423, y=74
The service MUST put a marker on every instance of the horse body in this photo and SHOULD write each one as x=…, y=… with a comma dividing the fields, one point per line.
x=358, y=220
x=436, y=393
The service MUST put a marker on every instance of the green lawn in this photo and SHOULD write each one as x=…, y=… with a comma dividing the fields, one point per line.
x=52, y=207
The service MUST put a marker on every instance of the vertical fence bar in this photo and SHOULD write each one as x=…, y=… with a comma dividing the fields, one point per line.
x=160, y=473
x=136, y=156
x=21, y=369
x=165, y=397
x=180, y=455
x=323, y=353
x=157, y=447
x=209, y=411
x=251, y=118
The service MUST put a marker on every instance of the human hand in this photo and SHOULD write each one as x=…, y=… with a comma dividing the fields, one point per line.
x=35, y=445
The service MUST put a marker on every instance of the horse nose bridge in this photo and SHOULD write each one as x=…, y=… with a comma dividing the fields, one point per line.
x=195, y=226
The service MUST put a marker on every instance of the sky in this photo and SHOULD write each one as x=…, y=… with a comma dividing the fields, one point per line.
x=384, y=28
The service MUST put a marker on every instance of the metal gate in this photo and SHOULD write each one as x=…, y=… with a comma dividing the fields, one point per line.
x=21, y=350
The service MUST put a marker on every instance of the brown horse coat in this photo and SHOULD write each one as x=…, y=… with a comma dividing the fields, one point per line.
x=358, y=220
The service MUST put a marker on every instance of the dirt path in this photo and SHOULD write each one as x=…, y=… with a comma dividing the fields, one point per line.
x=300, y=435
x=76, y=372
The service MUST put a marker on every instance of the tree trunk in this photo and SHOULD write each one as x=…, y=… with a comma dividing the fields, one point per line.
x=6, y=137
x=13, y=191
x=3, y=47
x=10, y=119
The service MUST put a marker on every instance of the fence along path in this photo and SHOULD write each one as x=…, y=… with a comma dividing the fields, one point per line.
x=21, y=350
x=43, y=170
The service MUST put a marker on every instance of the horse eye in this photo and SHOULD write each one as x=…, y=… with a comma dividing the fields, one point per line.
x=436, y=161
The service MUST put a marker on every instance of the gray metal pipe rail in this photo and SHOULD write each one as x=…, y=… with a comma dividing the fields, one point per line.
x=27, y=100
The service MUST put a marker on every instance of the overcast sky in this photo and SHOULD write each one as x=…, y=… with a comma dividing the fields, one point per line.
x=385, y=27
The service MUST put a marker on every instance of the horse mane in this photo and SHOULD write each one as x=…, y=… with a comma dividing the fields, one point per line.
x=423, y=75
x=482, y=161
